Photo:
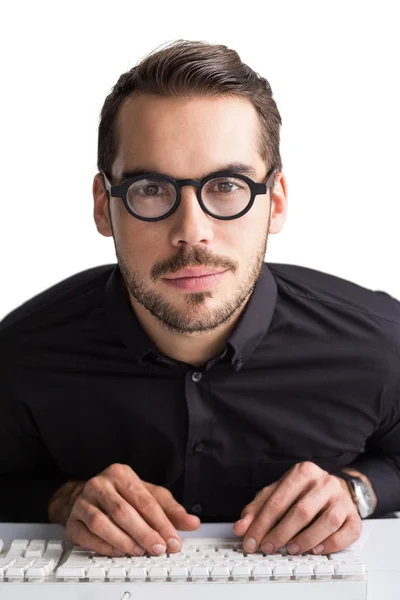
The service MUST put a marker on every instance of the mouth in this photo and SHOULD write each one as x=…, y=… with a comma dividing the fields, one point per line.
x=195, y=279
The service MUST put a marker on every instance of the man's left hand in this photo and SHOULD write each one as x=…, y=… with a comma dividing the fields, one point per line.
x=307, y=508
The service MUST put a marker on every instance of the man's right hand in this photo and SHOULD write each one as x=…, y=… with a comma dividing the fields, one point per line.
x=116, y=513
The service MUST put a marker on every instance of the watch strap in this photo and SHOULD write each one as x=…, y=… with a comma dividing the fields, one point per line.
x=344, y=475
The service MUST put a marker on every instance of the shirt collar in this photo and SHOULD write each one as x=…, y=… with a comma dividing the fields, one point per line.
x=251, y=328
x=255, y=319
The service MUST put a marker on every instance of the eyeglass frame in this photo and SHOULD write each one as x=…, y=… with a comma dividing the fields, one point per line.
x=120, y=191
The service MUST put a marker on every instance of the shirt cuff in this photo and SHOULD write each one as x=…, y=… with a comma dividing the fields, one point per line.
x=384, y=475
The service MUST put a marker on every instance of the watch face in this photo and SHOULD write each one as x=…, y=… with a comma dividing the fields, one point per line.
x=364, y=497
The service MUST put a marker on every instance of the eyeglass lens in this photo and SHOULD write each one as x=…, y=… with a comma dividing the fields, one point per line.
x=222, y=196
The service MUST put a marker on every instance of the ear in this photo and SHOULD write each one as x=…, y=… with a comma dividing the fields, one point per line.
x=100, y=212
x=279, y=196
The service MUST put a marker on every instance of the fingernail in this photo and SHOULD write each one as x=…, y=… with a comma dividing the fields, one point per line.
x=158, y=549
x=267, y=548
x=318, y=548
x=117, y=552
x=173, y=544
x=293, y=548
x=138, y=550
x=250, y=545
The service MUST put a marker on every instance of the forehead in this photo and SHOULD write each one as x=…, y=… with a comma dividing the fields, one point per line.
x=186, y=136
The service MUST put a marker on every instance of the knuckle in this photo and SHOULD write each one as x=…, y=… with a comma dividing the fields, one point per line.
x=307, y=468
x=118, y=510
x=146, y=503
x=116, y=470
x=335, y=518
x=95, y=520
x=276, y=503
x=335, y=481
x=303, y=511
x=93, y=486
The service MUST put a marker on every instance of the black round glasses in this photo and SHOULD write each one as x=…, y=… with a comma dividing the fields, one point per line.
x=223, y=195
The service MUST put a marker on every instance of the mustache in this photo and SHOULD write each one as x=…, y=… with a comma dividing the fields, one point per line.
x=194, y=257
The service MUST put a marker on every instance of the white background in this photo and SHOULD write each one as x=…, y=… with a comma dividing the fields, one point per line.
x=334, y=71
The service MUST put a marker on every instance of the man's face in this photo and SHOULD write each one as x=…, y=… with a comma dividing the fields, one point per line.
x=189, y=138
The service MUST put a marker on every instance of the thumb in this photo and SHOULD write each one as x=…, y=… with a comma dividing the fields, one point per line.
x=175, y=512
x=180, y=518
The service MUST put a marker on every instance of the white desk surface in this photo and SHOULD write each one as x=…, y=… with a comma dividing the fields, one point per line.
x=378, y=546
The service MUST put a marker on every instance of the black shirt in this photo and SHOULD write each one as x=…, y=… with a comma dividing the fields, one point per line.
x=310, y=372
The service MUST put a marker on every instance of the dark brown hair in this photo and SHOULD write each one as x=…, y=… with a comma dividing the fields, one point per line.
x=191, y=68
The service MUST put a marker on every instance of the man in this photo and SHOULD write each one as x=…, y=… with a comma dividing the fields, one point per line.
x=193, y=380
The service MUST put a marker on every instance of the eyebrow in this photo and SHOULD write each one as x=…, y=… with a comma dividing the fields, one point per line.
x=235, y=167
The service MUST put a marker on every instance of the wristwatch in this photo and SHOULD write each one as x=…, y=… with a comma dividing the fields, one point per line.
x=361, y=493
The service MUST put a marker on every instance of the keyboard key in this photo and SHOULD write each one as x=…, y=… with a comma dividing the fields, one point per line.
x=350, y=569
x=262, y=572
x=96, y=573
x=157, y=573
x=220, y=573
x=35, y=551
x=303, y=571
x=240, y=572
x=38, y=571
x=69, y=572
x=19, y=545
x=137, y=573
x=178, y=573
x=116, y=573
x=199, y=573
x=323, y=570
x=282, y=571
x=55, y=545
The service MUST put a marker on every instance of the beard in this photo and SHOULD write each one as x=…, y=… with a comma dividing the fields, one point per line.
x=196, y=318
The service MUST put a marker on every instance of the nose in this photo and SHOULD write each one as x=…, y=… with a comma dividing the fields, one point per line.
x=190, y=224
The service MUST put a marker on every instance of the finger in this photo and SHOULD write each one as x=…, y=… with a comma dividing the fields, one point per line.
x=301, y=478
x=90, y=521
x=176, y=513
x=123, y=495
x=142, y=518
x=329, y=520
x=251, y=510
x=299, y=517
x=78, y=534
x=348, y=533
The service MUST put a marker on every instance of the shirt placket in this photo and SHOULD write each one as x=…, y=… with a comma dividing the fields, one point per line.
x=198, y=440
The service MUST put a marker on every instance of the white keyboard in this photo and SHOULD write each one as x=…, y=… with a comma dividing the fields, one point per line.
x=40, y=569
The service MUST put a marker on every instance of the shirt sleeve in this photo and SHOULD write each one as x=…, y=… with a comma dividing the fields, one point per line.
x=29, y=476
x=25, y=498
x=381, y=460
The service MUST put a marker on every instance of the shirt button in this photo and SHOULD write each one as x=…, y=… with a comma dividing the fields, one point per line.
x=199, y=447
x=197, y=508
x=196, y=376
x=239, y=363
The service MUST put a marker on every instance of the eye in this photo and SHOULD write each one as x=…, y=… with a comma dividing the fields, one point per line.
x=224, y=186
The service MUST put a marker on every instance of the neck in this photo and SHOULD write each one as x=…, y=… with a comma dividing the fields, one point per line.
x=192, y=348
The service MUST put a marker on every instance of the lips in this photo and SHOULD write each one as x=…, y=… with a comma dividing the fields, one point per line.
x=194, y=272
